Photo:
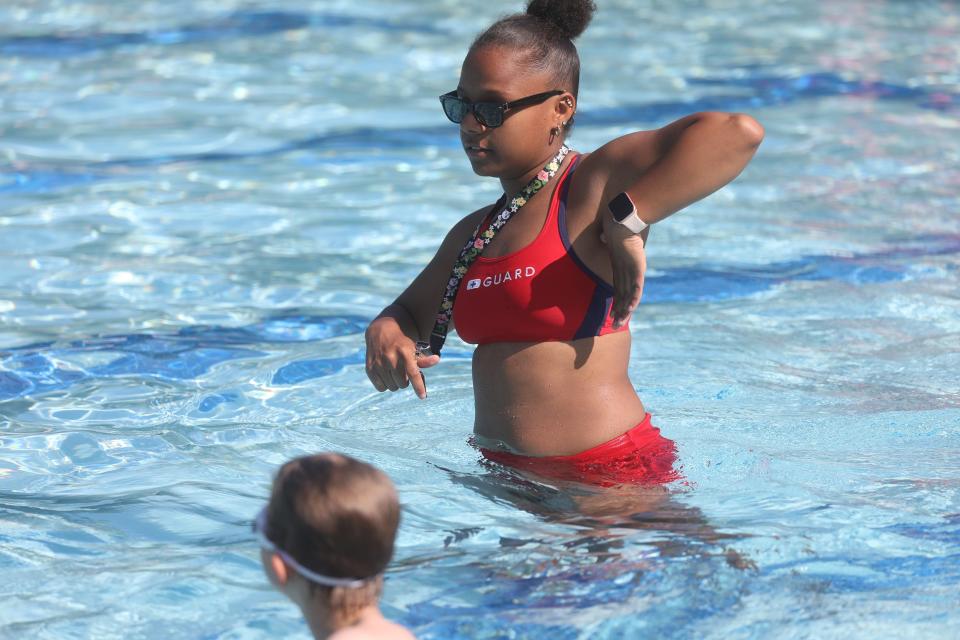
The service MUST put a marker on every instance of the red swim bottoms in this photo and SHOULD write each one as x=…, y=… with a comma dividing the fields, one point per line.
x=639, y=456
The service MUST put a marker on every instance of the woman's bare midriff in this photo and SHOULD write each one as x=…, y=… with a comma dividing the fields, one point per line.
x=550, y=398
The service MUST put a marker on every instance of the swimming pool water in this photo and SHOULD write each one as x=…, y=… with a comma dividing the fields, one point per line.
x=203, y=203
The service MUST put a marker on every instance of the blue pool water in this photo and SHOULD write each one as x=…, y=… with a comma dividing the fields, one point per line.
x=203, y=203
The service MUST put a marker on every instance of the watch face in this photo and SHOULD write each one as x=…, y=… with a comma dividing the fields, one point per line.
x=621, y=207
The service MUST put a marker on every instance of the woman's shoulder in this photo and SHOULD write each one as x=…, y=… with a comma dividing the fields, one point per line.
x=591, y=172
x=460, y=233
x=477, y=216
x=469, y=223
x=587, y=183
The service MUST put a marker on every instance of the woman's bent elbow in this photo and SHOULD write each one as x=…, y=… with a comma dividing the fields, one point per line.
x=749, y=129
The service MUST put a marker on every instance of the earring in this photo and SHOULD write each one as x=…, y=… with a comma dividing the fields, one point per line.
x=568, y=102
x=554, y=133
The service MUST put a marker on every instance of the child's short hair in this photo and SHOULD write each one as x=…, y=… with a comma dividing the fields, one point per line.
x=337, y=516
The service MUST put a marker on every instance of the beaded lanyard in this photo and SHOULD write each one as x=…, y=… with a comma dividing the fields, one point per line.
x=475, y=246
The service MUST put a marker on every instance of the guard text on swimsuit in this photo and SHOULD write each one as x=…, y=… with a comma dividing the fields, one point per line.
x=500, y=278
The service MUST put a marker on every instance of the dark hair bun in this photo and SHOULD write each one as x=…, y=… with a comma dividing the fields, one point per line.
x=571, y=17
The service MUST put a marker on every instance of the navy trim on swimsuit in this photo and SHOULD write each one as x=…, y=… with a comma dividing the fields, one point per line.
x=596, y=314
x=602, y=298
x=562, y=227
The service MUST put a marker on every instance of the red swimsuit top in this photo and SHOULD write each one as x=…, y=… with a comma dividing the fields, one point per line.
x=541, y=293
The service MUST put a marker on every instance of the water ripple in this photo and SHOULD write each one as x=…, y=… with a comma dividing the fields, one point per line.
x=235, y=25
x=185, y=355
x=38, y=177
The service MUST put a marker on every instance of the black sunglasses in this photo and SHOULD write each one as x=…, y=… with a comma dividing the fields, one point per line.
x=489, y=114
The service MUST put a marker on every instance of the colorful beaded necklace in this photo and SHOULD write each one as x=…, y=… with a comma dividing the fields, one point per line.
x=475, y=246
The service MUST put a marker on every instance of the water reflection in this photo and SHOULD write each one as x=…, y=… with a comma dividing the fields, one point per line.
x=601, y=519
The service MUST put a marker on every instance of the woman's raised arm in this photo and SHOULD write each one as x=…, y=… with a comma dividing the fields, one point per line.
x=664, y=171
x=670, y=168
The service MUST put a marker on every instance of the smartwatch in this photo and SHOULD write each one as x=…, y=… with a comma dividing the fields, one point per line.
x=626, y=214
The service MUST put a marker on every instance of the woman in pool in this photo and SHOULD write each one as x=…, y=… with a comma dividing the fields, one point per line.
x=547, y=297
x=326, y=537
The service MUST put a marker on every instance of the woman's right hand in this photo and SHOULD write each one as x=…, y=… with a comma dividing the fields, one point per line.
x=392, y=360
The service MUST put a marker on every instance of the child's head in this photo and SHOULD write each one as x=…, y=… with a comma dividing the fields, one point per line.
x=329, y=527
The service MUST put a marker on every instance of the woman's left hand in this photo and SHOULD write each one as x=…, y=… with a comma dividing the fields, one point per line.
x=663, y=171
x=629, y=260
